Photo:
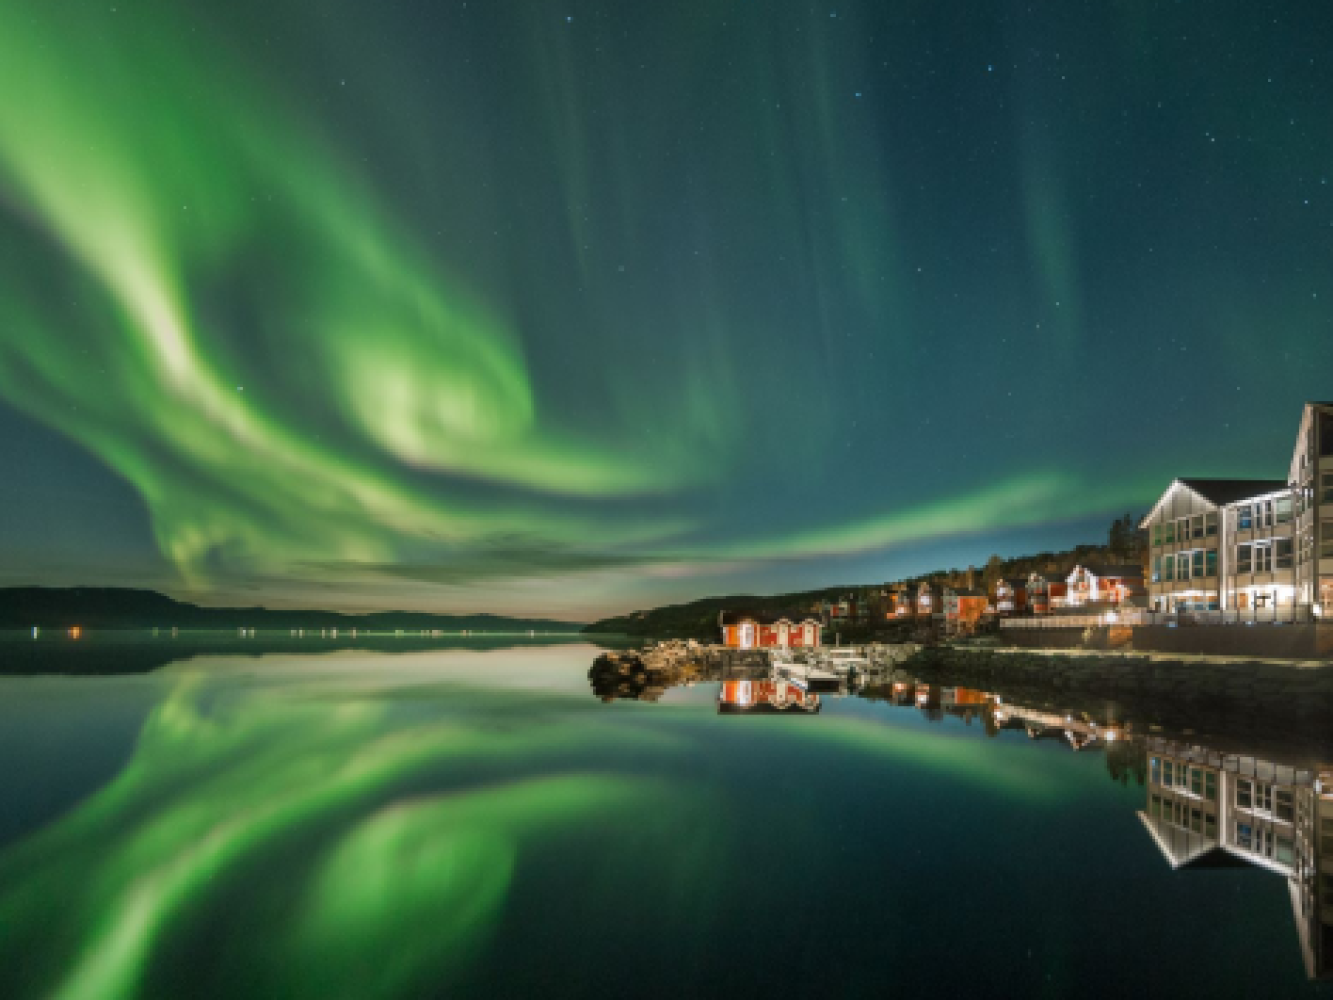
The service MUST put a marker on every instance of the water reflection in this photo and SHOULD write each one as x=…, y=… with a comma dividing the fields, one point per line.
x=1205, y=806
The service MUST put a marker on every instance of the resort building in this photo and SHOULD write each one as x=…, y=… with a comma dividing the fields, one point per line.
x=758, y=630
x=1223, y=545
x=1311, y=479
x=1206, y=808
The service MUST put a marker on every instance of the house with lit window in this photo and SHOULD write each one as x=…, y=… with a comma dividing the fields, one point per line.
x=963, y=605
x=1044, y=595
x=1205, y=808
x=1103, y=585
x=1011, y=596
x=1223, y=545
x=760, y=630
x=1311, y=480
x=929, y=600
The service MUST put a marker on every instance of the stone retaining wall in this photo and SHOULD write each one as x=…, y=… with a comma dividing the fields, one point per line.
x=1241, y=699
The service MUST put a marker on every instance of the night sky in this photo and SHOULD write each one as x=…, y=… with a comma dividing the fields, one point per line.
x=570, y=308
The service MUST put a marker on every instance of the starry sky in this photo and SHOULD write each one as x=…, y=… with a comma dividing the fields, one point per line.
x=569, y=308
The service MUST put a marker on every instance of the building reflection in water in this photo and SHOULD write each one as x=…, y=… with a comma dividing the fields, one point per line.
x=765, y=697
x=1204, y=807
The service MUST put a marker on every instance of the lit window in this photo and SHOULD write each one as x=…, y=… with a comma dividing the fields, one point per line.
x=1244, y=794
x=1263, y=558
x=1284, y=810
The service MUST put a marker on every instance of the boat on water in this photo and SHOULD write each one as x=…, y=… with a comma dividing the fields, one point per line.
x=843, y=659
x=808, y=676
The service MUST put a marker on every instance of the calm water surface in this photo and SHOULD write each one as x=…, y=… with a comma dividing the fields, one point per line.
x=469, y=822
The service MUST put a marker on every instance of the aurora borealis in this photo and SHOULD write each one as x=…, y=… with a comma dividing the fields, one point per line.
x=567, y=309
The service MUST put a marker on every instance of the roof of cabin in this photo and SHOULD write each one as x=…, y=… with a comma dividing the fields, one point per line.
x=765, y=617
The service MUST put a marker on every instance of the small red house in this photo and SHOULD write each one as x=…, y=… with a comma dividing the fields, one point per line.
x=964, y=606
x=761, y=630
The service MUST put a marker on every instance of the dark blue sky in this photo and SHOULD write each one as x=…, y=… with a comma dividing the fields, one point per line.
x=576, y=308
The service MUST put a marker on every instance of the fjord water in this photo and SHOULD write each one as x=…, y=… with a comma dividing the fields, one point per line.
x=444, y=822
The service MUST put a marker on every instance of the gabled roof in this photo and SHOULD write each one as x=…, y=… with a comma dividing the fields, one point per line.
x=1224, y=491
x=1307, y=417
x=764, y=617
x=1218, y=492
x=1129, y=571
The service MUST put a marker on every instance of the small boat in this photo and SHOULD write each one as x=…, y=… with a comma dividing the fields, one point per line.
x=842, y=659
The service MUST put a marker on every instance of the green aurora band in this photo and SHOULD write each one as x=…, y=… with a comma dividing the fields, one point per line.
x=376, y=823
x=168, y=221
x=204, y=289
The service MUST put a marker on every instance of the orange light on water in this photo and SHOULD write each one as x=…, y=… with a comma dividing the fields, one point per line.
x=75, y=632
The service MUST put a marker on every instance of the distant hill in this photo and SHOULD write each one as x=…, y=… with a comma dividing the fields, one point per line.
x=698, y=619
x=118, y=607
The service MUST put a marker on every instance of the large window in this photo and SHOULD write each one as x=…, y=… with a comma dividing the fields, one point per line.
x=1263, y=514
x=1244, y=560
x=1156, y=534
x=1210, y=786
x=1169, y=532
x=1263, y=558
x=1169, y=566
x=1210, y=563
x=1283, y=553
x=1326, y=488
x=1210, y=826
x=1210, y=524
x=1168, y=773
x=1244, y=794
x=1285, y=851
x=1196, y=781
x=1156, y=764
x=1244, y=836
x=1282, y=508
x=1196, y=562
x=1285, y=810
x=1156, y=569
x=1326, y=540
x=1245, y=518
x=1196, y=526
